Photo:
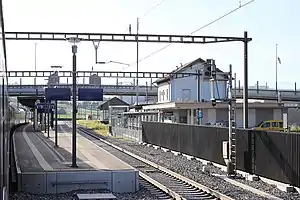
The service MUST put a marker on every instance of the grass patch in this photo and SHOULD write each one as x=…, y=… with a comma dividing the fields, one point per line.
x=295, y=128
x=95, y=125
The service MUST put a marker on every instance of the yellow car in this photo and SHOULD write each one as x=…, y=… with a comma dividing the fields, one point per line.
x=270, y=125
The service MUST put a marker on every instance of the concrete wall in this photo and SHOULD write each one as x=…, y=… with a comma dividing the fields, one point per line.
x=263, y=114
x=65, y=181
x=294, y=116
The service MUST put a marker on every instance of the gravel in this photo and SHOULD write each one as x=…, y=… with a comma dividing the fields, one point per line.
x=142, y=194
x=271, y=189
x=179, y=164
x=191, y=169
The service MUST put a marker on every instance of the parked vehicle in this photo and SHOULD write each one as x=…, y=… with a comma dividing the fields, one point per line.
x=270, y=125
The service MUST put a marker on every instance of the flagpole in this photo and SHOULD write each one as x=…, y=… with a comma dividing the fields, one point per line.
x=276, y=69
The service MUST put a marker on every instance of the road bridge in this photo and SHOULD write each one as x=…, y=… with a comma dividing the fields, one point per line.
x=269, y=94
x=129, y=90
x=123, y=90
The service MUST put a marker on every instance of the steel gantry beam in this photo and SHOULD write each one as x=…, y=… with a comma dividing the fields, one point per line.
x=113, y=37
x=102, y=74
x=154, y=38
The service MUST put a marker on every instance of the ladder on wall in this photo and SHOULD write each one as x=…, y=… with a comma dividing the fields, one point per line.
x=253, y=153
x=232, y=126
x=233, y=134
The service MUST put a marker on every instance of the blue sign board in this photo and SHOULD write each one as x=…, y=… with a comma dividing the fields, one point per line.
x=200, y=114
x=40, y=106
x=62, y=94
x=90, y=94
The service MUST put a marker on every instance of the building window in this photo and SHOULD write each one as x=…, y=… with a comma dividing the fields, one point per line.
x=186, y=94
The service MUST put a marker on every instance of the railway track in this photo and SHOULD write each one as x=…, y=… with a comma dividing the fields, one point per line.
x=173, y=184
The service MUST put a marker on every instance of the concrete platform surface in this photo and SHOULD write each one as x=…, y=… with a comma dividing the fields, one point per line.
x=43, y=168
x=96, y=196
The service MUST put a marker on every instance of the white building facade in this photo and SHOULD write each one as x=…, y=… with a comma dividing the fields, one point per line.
x=178, y=99
x=185, y=89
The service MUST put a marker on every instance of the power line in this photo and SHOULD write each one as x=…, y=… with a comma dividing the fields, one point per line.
x=153, y=8
x=149, y=10
x=210, y=23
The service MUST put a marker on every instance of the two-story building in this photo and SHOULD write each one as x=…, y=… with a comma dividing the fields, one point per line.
x=188, y=89
x=177, y=99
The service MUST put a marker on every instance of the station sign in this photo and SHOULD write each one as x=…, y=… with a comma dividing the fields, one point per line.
x=58, y=94
x=90, y=94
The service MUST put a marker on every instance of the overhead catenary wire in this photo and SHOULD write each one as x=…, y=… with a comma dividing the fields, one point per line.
x=147, y=12
x=202, y=27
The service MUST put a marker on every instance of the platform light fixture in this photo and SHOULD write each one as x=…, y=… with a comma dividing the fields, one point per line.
x=74, y=41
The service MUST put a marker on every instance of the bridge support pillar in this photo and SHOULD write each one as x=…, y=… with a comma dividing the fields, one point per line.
x=56, y=126
x=159, y=116
x=35, y=122
x=192, y=116
x=42, y=121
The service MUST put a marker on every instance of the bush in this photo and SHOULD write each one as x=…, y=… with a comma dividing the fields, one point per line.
x=295, y=128
x=94, y=125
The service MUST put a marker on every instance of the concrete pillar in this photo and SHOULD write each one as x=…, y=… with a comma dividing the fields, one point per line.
x=278, y=113
x=192, y=116
x=159, y=116
x=43, y=122
x=188, y=116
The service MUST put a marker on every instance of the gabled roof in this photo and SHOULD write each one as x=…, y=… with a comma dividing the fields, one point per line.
x=182, y=68
x=112, y=102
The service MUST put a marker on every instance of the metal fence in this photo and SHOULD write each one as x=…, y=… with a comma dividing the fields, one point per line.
x=273, y=155
x=129, y=124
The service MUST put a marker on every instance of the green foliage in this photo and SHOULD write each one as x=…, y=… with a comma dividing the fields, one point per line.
x=295, y=128
x=94, y=125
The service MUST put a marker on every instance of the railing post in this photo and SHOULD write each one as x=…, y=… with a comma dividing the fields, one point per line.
x=239, y=85
x=257, y=87
x=295, y=88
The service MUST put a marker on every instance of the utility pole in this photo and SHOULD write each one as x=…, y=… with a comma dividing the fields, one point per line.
x=276, y=70
x=231, y=126
x=245, y=90
x=198, y=95
x=231, y=144
x=35, y=44
x=137, y=61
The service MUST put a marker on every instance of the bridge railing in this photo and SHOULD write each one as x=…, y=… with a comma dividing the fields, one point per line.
x=123, y=89
x=149, y=88
x=270, y=94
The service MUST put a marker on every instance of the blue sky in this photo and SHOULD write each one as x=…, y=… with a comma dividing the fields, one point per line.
x=267, y=21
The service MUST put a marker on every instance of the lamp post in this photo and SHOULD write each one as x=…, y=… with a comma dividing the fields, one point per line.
x=74, y=41
x=116, y=62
